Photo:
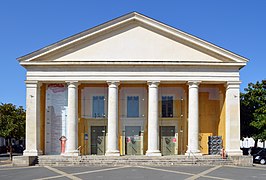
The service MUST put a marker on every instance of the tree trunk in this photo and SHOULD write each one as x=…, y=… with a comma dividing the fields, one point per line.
x=256, y=143
x=10, y=149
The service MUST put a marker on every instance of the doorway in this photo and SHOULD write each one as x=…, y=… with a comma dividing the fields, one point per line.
x=168, y=140
x=98, y=140
x=133, y=140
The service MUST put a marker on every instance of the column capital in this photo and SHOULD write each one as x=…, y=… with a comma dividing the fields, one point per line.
x=153, y=84
x=72, y=83
x=232, y=84
x=32, y=84
x=193, y=83
x=113, y=83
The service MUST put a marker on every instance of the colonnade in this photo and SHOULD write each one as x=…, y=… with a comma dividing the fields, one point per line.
x=33, y=118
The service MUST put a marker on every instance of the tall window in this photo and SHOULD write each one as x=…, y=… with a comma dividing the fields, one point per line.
x=167, y=106
x=98, y=106
x=133, y=106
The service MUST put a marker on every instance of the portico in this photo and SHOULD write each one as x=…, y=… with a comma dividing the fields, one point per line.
x=132, y=86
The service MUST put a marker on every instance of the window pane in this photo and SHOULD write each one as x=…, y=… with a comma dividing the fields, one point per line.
x=164, y=106
x=95, y=107
x=98, y=106
x=167, y=106
x=133, y=106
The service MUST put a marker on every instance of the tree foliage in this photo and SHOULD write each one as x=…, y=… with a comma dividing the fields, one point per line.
x=12, y=121
x=253, y=111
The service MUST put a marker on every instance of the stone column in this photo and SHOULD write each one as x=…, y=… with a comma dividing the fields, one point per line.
x=153, y=120
x=32, y=119
x=112, y=145
x=193, y=118
x=72, y=120
x=232, y=118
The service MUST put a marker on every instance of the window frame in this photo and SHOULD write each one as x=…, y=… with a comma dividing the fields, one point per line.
x=92, y=106
x=173, y=105
x=133, y=95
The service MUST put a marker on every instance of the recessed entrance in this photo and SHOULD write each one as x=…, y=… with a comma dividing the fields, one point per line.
x=168, y=140
x=133, y=140
x=98, y=140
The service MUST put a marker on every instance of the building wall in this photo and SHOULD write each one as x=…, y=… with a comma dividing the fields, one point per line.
x=179, y=119
x=211, y=114
x=86, y=118
x=212, y=121
x=141, y=91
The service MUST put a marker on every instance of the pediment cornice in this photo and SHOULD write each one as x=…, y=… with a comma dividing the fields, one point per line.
x=123, y=21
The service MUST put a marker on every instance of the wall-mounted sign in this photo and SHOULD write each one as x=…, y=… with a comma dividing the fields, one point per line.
x=174, y=140
x=57, y=87
x=86, y=136
x=128, y=139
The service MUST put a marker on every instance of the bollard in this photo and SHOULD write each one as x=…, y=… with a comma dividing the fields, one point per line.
x=63, y=140
x=223, y=153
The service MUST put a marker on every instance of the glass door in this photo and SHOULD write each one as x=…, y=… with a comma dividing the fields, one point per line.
x=168, y=140
x=133, y=140
x=98, y=140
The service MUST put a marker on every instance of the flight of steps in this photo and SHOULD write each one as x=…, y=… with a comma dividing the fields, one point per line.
x=53, y=160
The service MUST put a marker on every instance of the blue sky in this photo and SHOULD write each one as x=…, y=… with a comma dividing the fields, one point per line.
x=25, y=26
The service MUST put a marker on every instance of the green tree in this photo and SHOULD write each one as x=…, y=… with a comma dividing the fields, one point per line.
x=253, y=111
x=12, y=123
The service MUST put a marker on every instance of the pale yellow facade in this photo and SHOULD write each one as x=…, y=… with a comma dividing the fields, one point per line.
x=211, y=115
x=132, y=86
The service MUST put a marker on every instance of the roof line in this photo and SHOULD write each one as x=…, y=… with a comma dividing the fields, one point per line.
x=142, y=18
x=193, y=36
x=72, y=36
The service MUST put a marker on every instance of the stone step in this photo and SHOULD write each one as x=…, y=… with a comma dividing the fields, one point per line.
x=131, y=160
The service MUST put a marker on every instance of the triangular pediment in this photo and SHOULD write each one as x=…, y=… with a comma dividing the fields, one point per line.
x=133, y=43
x=132, y=38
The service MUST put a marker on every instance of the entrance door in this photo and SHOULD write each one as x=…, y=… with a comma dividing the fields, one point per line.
x=133, y=140
x=98, y=140
x=167, y=140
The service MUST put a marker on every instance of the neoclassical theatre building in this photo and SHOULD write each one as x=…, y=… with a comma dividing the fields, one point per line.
x=132, y=86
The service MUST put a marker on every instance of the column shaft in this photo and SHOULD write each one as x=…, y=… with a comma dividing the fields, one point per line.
x=32, y=119
x=153, y=120
x=193, y=118
x=112, y=145
x=232, y=121
x=72, y=120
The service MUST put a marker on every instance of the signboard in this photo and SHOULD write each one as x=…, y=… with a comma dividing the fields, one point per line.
x=174, y=140
x=128, y=139
x=56, y=116
x=86, y=136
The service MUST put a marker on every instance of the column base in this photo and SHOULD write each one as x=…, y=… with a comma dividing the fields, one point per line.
x=112, y=153
x=234, y=152
x=153, y=153
x=71, y=153
x=32, y=152
x=24, y=160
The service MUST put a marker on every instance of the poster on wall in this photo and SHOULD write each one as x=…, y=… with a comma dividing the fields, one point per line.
x=56, y=115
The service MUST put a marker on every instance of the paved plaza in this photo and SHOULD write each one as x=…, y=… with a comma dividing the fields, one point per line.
x=133, y=173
